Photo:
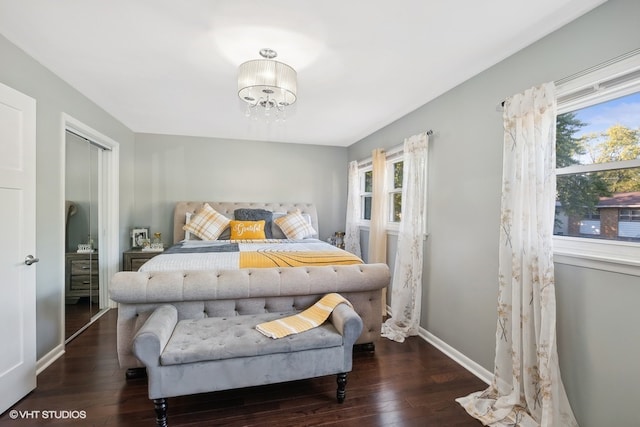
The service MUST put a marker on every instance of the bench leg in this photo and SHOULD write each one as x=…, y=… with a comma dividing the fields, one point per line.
x=342, y=385
x=160, y=406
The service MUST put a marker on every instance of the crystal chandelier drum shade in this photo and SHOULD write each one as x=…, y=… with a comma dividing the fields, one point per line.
x=267, y=83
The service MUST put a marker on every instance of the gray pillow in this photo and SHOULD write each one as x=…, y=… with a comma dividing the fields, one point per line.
x=246, y=214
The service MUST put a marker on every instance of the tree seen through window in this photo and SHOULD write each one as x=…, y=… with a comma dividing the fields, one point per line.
x=589, y=203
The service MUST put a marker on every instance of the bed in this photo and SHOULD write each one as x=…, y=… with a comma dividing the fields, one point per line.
x=254, y=276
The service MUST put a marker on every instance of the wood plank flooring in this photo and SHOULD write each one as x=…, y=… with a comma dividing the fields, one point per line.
x=409, y=384
x=77, y=315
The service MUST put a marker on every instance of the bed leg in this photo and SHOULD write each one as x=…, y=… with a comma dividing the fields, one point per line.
x=160, y=406
x=342, y=385
x=134, y=373
x=368, y=347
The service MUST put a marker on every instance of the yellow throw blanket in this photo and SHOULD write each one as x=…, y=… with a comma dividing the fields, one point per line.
x=274, y=258
x=310, y=318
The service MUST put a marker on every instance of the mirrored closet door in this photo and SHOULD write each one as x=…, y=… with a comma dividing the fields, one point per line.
x=82, y=259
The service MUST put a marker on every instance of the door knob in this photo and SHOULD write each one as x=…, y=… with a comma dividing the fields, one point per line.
x=30, y=259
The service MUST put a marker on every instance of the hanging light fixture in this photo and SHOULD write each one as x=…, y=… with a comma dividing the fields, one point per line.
x=266, y=85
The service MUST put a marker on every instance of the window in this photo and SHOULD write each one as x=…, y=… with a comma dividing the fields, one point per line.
x=598, y=164
x=601, y=137
x=366, y=190
x=394, y=166
x=629, y=214
x=395, y=190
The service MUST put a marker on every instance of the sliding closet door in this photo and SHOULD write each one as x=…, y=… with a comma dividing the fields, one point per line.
x=82, y=259
x=95, y=154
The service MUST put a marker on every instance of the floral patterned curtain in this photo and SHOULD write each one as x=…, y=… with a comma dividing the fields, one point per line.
x=526, y=389
x=352, y=228
x=406, y=287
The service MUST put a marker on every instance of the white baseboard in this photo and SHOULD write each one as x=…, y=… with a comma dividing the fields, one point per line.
x=458, y=357
x=46, y=360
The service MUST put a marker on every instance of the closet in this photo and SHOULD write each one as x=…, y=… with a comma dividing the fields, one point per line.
x=82, y=259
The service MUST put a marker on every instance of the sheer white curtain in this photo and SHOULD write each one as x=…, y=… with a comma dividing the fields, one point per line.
x=379, y=212
x=526, y=389
x=352, y=228
x=406, y=286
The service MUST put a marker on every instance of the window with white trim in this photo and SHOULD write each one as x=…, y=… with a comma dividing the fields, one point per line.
x=394, y=165
x=394, y=176
x=366, y=192
x=598, y=164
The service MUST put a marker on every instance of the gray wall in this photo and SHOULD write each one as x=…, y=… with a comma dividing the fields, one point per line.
x=174, y=168
x=53, y=97
x=597, y=324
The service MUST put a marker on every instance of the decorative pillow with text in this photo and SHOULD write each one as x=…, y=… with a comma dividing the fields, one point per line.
x=247, y=230
x=246, y=214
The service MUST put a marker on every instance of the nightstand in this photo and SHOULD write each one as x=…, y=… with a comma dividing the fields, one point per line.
x=81, y=275
x=133, y=259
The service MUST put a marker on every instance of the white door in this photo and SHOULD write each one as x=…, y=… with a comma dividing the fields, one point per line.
x=17, y=246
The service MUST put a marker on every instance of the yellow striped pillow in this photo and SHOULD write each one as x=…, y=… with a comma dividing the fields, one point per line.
x=294, y=226
x=207, y=223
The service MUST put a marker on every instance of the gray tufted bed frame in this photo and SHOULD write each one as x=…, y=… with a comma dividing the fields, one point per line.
x=214, y=293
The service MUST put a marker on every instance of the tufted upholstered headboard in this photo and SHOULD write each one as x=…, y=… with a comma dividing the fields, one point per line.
x=227, y=208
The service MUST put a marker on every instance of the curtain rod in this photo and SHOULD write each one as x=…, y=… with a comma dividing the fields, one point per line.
x=391, y=153
x=399, y=148
x=597, y=67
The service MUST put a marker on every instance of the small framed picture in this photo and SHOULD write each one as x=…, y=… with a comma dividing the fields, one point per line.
x=140, y=237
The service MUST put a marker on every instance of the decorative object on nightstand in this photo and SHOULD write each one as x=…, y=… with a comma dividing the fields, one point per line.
x=139, y=236
x=86, y=248
x=156, y=244
x=337, y=239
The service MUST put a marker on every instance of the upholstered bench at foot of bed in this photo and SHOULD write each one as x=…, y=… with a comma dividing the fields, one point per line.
x=220, y=353
x=218, y=293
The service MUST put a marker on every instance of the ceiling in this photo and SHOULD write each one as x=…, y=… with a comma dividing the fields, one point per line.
x=169, y=67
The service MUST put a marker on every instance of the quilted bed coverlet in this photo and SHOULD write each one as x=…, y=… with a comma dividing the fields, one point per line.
x=235, y=254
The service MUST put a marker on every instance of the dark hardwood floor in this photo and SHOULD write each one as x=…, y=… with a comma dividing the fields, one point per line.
x=409, y=384
x=77, y=315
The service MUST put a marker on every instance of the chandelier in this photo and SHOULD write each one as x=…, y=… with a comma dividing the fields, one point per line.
x=266, y=85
